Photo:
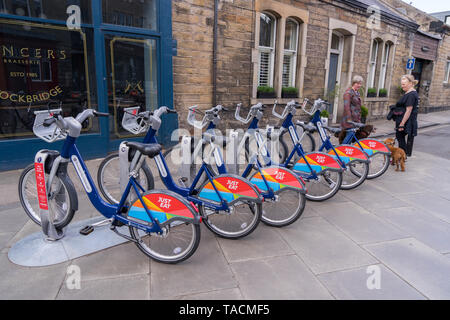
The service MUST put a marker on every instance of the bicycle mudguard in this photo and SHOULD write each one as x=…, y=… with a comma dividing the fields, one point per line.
x=231, y=187
x=279, y=179
x=372, y=147
x=348, y=153
x=164, y=207
x=319, y=162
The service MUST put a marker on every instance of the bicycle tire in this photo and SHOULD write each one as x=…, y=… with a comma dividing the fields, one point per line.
x=107, y=192
x=378, y=173
x=32, y=209
x=323, y=176
x=361, y=177
x=271, y=212
x=245, y=228
x=193, y=241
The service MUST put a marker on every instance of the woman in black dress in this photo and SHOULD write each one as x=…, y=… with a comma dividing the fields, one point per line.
x=407, y=125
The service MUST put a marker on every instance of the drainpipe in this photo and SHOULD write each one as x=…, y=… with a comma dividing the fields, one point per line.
x=214, y=71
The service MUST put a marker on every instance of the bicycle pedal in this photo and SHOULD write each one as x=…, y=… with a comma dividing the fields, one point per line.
x=86, y=230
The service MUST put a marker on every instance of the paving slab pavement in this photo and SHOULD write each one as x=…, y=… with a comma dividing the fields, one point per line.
x=324, y=255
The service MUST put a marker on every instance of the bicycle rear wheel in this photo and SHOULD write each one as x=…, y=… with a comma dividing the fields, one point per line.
x=62, y=200
x=379, y=163
x=178, y=243
x=181, y=232
x=287, y=208
x=324, y=187
x=355, y=174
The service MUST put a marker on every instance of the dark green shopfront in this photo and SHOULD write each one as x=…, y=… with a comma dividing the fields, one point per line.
x=101, y=54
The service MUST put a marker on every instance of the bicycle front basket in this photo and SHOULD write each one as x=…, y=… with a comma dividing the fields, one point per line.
x=133, y=122
x=51, y=133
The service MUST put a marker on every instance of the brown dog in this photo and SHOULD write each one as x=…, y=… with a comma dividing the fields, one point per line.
x=398, y=154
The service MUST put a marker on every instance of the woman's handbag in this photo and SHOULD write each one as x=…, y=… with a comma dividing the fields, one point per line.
x=395, y=112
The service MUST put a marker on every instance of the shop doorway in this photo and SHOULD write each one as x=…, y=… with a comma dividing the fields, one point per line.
x=131, y=65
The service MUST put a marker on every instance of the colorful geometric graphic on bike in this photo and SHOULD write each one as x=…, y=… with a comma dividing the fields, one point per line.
x=230, y=189
x=372, y=147
x=277, y=178
x=348, y=153
x=161, y=206
x=318, y=161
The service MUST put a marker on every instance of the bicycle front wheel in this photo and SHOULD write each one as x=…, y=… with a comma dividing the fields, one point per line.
x=379, y=163
x=179, y=242
x=108, y=178
x=324, y=187
x=62, y=198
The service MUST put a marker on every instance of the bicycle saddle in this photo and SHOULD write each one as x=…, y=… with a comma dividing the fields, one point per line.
x=148, y=149
x=306, y=126
x=333, y=130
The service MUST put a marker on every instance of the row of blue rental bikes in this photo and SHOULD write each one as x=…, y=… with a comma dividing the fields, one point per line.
x=269, y=180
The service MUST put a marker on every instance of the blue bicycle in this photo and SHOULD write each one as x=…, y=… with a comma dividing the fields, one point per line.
x=230, y=205
x=320, y=172
x=282, y=189
x=377, y=152
x=352, y=160
x=162, y=224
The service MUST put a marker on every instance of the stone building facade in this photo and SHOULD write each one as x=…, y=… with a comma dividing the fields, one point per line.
x=316, y=46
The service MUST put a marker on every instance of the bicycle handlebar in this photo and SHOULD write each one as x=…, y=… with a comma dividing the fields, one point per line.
x=208, y=116
x=252, y=112
x=290, y=107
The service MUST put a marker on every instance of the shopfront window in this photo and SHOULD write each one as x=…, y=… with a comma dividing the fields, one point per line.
x=46, y=9
x=132, y=78
x=41, y=65
x=133, y=13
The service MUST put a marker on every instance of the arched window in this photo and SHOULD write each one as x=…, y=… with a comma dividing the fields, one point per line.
x=266, y=49
x=290, y=53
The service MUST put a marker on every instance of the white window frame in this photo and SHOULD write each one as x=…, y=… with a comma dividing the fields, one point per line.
x=447, y=72
x=271, y=51
x=373, y=63
x=384, y=65
x=293, y=55
x=340, y=53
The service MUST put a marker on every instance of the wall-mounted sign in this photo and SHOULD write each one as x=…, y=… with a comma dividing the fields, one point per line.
x=410, y=64
x=425, y=49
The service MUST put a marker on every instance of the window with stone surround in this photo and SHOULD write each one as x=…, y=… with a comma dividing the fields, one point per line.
x=385, y=64
x=290, y=53
x=376, y=44
x=267, y=33
x=447, y=71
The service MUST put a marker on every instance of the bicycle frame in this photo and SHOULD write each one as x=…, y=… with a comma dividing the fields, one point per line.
x=369, y=150
x=70, y=153
x=170, y=184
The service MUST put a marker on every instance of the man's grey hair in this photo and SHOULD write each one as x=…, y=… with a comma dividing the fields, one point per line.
x=357, y=79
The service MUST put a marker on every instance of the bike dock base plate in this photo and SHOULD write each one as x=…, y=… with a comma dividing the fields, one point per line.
x=35, y=251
